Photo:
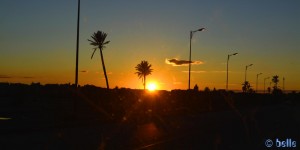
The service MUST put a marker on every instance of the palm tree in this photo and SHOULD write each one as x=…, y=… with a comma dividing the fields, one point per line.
x=98, y=40
x=143, y=69
x=246, y=87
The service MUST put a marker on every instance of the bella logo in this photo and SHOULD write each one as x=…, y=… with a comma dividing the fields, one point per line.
x=285, y=143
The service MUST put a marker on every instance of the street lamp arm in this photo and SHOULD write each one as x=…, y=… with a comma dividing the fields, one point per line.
x=233, y=54
x=192, y=32
x=201, y=29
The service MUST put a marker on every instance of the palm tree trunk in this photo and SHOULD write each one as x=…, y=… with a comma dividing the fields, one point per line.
x=144, y=82
x=104, y=70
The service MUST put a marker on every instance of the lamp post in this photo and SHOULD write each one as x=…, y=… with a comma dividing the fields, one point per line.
x=283, y=79
x=227, y=69
x=77, y=46
x=265, y=83
x=246, y=71
x=257, y=81
x=190, y=60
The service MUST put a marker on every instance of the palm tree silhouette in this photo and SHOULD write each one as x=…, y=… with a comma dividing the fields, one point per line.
x=246, y=87
x=276, y=89
x=98, y=40
x=275, y=80
x=143, y=69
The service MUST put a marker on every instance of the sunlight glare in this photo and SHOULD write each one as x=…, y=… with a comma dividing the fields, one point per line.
x=152, y=86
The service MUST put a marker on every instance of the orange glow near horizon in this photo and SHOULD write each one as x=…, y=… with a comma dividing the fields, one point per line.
x=158, y=81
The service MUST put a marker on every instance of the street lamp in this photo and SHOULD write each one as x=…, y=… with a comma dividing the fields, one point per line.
x=77, y=46
x=190, y=61
x=257, y=81
x=246, y=71
x=227, y=69
x=265, y=83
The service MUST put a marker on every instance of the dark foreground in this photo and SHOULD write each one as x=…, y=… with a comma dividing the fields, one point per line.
x=62, y=117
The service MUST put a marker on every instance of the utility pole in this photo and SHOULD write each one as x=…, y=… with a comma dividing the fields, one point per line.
x=77, y=46
x=283, y=84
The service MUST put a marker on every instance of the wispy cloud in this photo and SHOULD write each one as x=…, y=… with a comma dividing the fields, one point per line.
x=224, y=71
x=211, y=71
x=218, y=71
x=97, y=72
x=5, y=76
x=27, y=77
x=176, y=83
x=177, y=62
x=199, y=71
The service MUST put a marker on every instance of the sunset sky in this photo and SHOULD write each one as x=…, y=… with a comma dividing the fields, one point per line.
x=38, y=41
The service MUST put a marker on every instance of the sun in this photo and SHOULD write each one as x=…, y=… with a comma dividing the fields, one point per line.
x=151, y=86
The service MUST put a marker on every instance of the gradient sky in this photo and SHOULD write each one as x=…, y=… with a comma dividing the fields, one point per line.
x=38, y=41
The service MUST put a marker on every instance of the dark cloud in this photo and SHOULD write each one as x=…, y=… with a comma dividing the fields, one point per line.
x=177, y=62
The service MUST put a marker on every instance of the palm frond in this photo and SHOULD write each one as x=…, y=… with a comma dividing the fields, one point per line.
x=93, y=43
x=143, y=69
x=98, y=40
x=93, y=53
x=95, y=39
x=106, y=42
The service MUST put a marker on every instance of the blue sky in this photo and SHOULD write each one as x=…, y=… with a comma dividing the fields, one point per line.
x=38, y=40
